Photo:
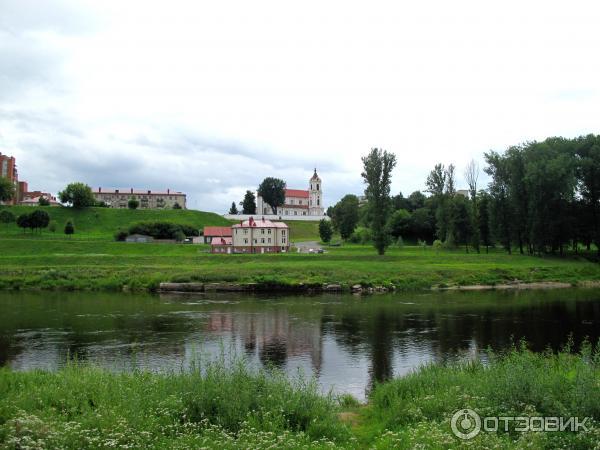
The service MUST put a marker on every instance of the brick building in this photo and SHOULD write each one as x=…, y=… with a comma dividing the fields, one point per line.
x=8, y=169
x=118, y=198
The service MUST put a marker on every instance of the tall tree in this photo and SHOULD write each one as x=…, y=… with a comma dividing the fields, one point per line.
x=483, y=222
x=233, y=209
x=325, y=230
x=377, y=175
x=272, y=191
x=79, y=195
x=588, y=175
x=345, y=215
x=471, y=177
x=7, y=189
x=500, y=208
x=249, y=203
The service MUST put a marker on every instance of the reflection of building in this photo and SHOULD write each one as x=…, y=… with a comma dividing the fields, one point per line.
x=297, y=202
x=274, y=337
x=118, y=198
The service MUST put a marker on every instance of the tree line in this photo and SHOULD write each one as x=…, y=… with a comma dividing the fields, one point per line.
x=543, y=197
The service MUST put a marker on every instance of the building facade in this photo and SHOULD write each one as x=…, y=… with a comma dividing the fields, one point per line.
x=119, y=198
x=8, y=169
x=215, y=232
x=254, y=236
x=298, y=202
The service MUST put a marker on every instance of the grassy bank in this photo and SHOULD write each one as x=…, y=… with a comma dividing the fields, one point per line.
x=102, y=223
x=32, y=263
x=222, y=405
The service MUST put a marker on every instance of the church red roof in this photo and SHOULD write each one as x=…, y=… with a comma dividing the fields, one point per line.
x=296, y=193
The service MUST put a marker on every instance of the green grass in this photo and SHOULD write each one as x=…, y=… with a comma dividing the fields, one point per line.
x=225, y=404
x=43, y=263
x=102, y=223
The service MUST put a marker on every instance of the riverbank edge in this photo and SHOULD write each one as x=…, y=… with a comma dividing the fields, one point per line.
x=300, y=288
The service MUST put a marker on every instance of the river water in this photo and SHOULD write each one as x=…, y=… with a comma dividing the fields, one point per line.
x=347, y=342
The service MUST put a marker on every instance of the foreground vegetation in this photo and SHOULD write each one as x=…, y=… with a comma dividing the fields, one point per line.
x=31, y=263
x=225, y=404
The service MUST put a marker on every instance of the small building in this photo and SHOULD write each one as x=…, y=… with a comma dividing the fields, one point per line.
x=215, y=232
x=221, y=245
x=33, y=199
x=260, y=236
x=139, y=238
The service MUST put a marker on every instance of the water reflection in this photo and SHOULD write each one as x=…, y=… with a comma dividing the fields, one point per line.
x=347, y=342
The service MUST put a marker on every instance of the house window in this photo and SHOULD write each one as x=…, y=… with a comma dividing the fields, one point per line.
x=283, y=240
x=283, y=232
x=262, y=231
x=256, y=241
x=262, y=241
x=245, y=231
x=317, y=186
x=299, y=202
x=269, y=240
x=245, y=241
x=295, y=213
x=269, y=231
x=318, y=202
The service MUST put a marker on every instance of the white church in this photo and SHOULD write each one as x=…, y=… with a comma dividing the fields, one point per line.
x=298, y=203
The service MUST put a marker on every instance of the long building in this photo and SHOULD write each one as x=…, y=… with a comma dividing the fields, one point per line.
x=253, y=236
x=149, y=199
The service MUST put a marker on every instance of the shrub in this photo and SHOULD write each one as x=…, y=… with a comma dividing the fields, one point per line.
x=121, y=235
x=437, y=245
x=163, y=230
x=133, y=203
x=361, y=236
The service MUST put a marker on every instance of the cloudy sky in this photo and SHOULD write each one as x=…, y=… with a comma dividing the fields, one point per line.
x=211, y=97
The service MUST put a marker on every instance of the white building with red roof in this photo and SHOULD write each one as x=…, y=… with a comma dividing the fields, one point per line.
x=298, y=202
x=260, y=236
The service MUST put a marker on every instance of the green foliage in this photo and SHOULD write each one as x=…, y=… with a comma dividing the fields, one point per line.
x=176, y=205
x=233, y=209
x=164, y=230
x=437, y=246
x=133, y=203
x=361, y=235
x=377, y=175
x=36, y=220
x=344, y=215
x=7, y=190
x=121, y=235
x=43, y=201
x=52, y=226
x=400, y=223
x=215, y=404
x=417, y=408
x=325, y=230
x=69, y=228
x=272, y=191
x=6, y=216
x=249, y=203
x=79, y=195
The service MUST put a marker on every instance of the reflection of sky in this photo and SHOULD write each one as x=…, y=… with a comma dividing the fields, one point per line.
x=345, y=344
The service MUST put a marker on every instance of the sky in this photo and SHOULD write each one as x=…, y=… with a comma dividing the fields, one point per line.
x=209, y=98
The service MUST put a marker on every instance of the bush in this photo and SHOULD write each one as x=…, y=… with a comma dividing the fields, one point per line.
x=133, y=203
x=163, y=230
x=121, y=235
x=361, y=236
x=437, y=245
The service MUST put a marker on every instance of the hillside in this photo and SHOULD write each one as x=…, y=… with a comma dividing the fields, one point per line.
x=101, y=223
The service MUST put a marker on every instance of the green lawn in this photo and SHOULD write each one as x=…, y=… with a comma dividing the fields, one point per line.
x=102, y=223
x=33, y=262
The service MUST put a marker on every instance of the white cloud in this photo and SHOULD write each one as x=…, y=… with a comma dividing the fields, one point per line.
x=210, y=97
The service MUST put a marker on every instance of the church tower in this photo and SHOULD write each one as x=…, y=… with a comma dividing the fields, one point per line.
x=315, y=191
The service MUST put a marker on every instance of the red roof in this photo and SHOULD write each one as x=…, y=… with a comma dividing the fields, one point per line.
x=261, y=223
x=217, y=231
x=296, y=193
